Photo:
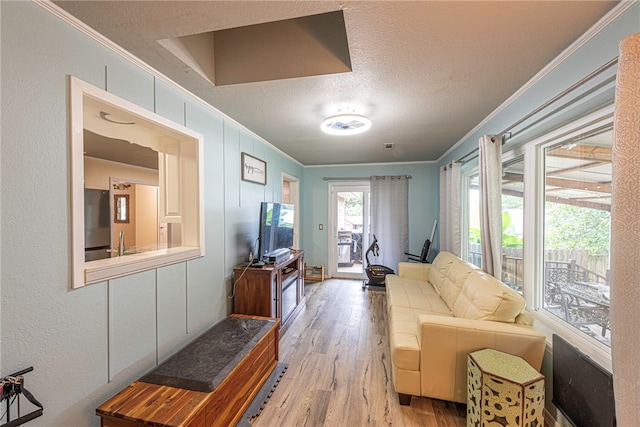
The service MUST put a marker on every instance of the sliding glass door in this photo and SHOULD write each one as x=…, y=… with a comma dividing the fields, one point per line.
x=349, y=225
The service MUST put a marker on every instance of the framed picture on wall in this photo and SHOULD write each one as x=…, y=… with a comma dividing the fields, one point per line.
x=121, y=208
x=254, y=169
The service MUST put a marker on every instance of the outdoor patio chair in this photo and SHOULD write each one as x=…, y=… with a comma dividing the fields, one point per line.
x=564, y=298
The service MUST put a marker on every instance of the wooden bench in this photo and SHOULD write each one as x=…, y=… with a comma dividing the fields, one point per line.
x=210, y=382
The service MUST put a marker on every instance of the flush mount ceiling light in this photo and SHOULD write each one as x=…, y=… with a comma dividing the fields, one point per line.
x=345, y=124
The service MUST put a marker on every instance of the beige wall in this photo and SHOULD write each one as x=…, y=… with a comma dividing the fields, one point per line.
x=98, y=171
x=96, y=175
x=146, y=206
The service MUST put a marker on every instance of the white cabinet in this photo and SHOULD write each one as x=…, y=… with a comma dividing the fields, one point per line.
x=170, y=164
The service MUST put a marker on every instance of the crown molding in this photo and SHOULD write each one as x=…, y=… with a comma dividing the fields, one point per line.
x=421, y=162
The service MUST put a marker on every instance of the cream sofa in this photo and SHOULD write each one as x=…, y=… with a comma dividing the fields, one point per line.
x=440, y=312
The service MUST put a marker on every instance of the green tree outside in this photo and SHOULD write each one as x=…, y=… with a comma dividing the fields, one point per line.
x=566, y=227
x=570, y=227
x=354, y=205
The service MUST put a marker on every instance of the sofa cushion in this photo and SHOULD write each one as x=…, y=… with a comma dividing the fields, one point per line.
x=405, y=351
x=403, y=332
x=483, y=297
x=413, y=270
x=403, y=327
x=414, y=294
x=447, y=275
x=525, y=318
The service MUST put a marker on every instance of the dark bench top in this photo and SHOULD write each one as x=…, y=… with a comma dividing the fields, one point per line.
x=204, y=363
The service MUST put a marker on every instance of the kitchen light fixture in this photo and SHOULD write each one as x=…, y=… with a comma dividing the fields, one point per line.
x=345, y=124
x=104, y=116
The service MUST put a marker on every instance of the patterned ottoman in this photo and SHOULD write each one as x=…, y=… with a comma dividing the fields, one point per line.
x=503, y=390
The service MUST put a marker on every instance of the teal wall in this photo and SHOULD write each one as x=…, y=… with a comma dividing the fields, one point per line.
x=87, y=344
x=423, y=202
x=242, y=199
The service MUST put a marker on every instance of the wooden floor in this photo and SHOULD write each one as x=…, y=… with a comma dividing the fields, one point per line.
x=339, y=370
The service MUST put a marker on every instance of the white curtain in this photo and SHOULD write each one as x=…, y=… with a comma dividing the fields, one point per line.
x=450, y=208
x=625, y=235
x=390, y=218
x=491, y=203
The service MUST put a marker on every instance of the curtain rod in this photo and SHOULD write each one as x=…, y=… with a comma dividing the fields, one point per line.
x=359, y=178
x=571, y=88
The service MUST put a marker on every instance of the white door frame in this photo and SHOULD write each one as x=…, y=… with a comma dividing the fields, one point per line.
x=332, y=235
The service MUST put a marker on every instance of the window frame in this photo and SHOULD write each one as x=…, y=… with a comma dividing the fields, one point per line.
x=515, y=156
x=468, y=172
x=534, y=239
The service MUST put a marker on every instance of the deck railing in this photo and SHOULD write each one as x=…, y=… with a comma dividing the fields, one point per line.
x=579, y=261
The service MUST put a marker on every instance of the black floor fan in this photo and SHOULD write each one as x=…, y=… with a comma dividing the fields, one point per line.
x=375, y=272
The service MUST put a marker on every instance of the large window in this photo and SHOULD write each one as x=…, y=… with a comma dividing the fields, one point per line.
x=512, y=223
x=577, y=222
x=556, y=221
x=474, y=249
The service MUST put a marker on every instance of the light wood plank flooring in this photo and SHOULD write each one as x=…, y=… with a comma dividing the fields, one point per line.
x=339, y=370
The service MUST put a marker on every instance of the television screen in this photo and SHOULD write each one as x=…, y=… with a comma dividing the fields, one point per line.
x=276, y=227
x=582, y=389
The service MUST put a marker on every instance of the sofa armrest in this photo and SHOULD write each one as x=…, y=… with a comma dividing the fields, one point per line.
x=445, y=342
x=413, y=270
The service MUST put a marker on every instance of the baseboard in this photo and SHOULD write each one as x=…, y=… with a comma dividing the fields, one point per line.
x=549, y=421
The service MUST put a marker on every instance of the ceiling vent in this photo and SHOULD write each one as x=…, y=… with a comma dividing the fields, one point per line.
x=389, y=146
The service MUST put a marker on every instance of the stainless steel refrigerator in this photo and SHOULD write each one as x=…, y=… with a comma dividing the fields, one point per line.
x=97, y=224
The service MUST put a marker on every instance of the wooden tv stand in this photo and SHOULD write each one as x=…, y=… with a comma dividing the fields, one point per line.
x=272, y=290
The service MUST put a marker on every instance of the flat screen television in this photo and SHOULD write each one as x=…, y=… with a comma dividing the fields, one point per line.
x=276, y=228
x=582, y=389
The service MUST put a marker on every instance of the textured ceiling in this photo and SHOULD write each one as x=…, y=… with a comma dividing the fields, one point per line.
x=424, y=72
